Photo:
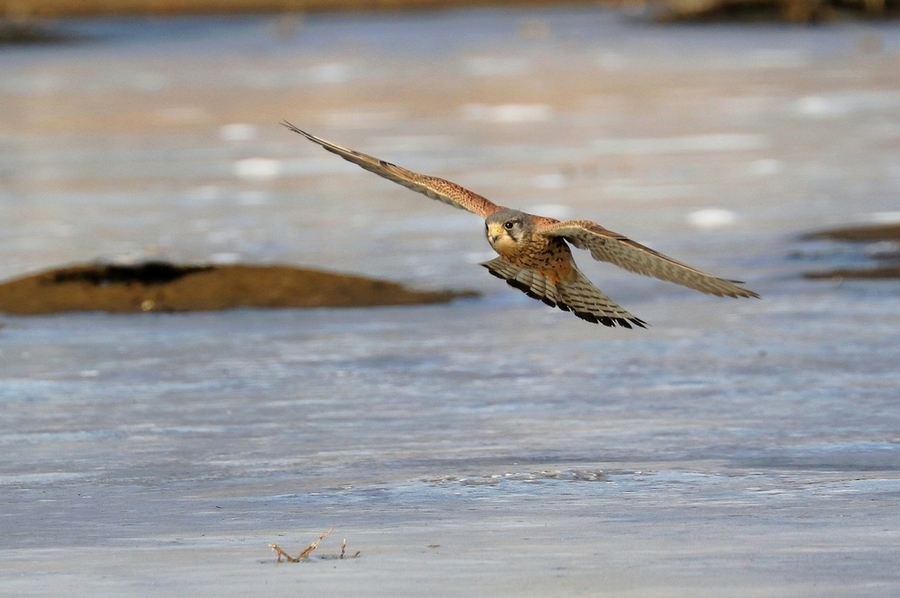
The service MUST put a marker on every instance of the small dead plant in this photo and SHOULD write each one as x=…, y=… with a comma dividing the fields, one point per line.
x=305, y=554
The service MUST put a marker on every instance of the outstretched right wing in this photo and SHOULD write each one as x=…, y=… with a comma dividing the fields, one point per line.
x=617, y=249
x=433, y=187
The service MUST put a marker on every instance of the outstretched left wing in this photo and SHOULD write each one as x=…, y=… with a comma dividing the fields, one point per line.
x=617, y=249
x=433, y=187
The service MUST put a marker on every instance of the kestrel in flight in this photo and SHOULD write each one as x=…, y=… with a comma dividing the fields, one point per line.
x=534, y=255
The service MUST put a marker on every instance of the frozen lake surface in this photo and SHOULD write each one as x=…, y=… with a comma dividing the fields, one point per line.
x=487, y=447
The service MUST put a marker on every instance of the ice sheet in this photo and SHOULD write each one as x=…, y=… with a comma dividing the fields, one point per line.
x=488, y=447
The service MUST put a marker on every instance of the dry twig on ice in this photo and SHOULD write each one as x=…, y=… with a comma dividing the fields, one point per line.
x=304, y=554
x=281, y=553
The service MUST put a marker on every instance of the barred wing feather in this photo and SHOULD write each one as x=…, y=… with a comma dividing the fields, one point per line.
x=433, y=187
x=607, y=246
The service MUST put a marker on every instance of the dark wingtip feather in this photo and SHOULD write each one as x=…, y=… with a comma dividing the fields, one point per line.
x=295, y=129
x=586, y=316
x=285, y=123
x=605, y=321
x=744, y=293
x=493, y=272
x=518, y=285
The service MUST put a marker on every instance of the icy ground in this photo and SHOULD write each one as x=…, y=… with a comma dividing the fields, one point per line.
x=492, y=446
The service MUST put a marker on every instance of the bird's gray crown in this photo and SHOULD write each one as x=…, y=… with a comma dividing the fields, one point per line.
x=505, y=215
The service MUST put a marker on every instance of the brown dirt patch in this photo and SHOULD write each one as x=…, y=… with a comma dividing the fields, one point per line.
x=868, y=273
x=865, y=233
x=860, y=233
x=161, y=286
x=802, y=11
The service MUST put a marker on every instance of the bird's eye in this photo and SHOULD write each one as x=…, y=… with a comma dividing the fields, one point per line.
x=508, y=225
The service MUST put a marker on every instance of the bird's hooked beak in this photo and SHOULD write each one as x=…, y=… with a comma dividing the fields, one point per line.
x=494, y=232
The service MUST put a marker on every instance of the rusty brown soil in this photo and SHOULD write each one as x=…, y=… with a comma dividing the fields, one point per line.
x=800, y=11
x=20, y=9
x=161, y=286
x=865, y=233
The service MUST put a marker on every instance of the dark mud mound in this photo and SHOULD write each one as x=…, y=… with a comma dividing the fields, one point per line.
x=33, y=34
x=870, y=273
x=878, y=242
x=795, y=11
x=864, y=233
x=162, y=286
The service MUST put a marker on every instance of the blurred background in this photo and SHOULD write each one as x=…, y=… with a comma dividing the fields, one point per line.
x=738, y=448
x=138, y=136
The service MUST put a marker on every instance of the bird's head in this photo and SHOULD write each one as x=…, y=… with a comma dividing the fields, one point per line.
x=507, y=229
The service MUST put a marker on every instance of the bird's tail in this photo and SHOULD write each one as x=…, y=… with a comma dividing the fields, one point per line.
x=578, y=296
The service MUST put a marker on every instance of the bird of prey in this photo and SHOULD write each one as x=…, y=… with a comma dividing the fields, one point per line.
x=534, y=255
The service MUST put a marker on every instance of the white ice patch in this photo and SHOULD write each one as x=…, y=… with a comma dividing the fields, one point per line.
x=628, y=190
x=507, y=113
x=252, y=198
x=820, y=107
x=313, y=166
x=203, y=194
x=147, y=81
x=361, y=119
x=883, y=250
x=491, y=66
x=220, y=237
x=835, y=105
x=238, y=132
x=883, y=217
x=711, y=218
x=127, y=258
x=31, y=479
x=612, y=61
x=685, y=144
x=182, y=114
x=225, y=258
x=334, y=72
x=550, y=181
x=551, y=210
x=257, y=168
x=770, y=58
x=765, y=167
x=762, y=59
x=412, y=143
